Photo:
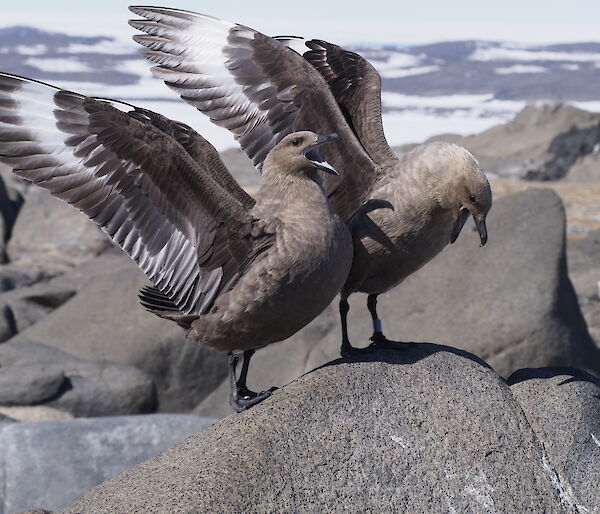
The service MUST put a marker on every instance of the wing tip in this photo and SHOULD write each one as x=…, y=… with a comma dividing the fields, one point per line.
x=16, y=81
x=149, y=12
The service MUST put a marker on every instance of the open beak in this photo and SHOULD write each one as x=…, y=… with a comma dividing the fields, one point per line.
x=463, y=215
x=312, y=153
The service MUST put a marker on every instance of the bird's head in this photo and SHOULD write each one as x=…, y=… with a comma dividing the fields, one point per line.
x=472, y=197
x=458, y=184
x=298, y=153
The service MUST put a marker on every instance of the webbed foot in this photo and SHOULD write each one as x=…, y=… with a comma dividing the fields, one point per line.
x=242, y=399
x=380, y=342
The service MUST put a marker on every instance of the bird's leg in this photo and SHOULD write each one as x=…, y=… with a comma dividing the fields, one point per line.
x=347, y=349
x=377, y=331
x=379, y=340
x=241, y=398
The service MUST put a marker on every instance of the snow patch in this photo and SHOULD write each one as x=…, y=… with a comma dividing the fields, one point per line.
x=592, y=106
x=58, y=65
x=408, y=72
x=520, y=54
x=451, y=102
x=113, y=47
x=24, y=49
x=417, y=126
x=520, y=68
x=395, y=60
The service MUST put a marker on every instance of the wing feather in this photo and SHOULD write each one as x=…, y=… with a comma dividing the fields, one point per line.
x=255, y=87
x=136, y=181
x=356, y=86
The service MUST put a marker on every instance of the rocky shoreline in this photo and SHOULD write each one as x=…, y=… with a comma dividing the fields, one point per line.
x=79, y=355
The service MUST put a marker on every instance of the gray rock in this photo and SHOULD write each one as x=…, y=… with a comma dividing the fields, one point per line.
x=51, y=233
x=27, y=304
x=511, y=303
x=8, y=326
x=586, y=169
x=584, y=266
x=544, y=142
x=29, y=382
x=105, y=321
x=564, y=151
x=51, y=463
x=10, y=202
x=5, y=419
x=583, y=253
x=14, y=276
x=431, y=429
x=35, y=413
x=563, y=407
x=584, y=270
x=32, y=373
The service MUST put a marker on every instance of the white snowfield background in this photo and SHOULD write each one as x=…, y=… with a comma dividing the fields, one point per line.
x=408, y=117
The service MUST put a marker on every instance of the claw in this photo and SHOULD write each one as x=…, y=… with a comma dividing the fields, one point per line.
x=380, y=342
x=244, y=399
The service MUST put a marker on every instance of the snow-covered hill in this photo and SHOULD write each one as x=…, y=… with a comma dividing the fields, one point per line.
x=461, y=87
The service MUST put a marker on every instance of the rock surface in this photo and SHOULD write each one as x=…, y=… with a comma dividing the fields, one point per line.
x=430, y=429
x=104, y=321
x=6, y=419
x=35, y=413
x=50, y=233
x=584, y=270
x=51, y=463
x=511, y=303
x=33, y=374
x=542, y=142
x=563, y=407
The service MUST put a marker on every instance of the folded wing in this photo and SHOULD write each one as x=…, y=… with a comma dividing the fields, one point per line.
x=185, y=230
x=256, y=87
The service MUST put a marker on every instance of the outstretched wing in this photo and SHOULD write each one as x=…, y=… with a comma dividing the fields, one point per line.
x=134, y=180
x=356, y=86
x=199, y=149
x=257, y=88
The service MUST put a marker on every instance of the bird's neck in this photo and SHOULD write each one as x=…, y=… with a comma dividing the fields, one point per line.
x=279, y=192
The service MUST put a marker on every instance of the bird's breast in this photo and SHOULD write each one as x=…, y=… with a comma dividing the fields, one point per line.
x=392, y=243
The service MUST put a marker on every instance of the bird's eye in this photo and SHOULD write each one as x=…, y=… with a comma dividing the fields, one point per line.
x=296, y=142
x=472, y=198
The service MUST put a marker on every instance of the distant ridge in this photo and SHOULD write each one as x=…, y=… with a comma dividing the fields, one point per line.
x=461, y=87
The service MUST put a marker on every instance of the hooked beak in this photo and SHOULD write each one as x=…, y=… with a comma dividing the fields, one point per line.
x=482, y=229
x=463, y=215
x=312, y=153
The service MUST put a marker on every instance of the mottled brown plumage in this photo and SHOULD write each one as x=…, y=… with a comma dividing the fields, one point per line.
x=238, y=273
x=401, y=212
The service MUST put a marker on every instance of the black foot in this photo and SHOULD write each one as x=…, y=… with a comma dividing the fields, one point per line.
x=349, y=351
x=380, y=342
x=244, y=399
